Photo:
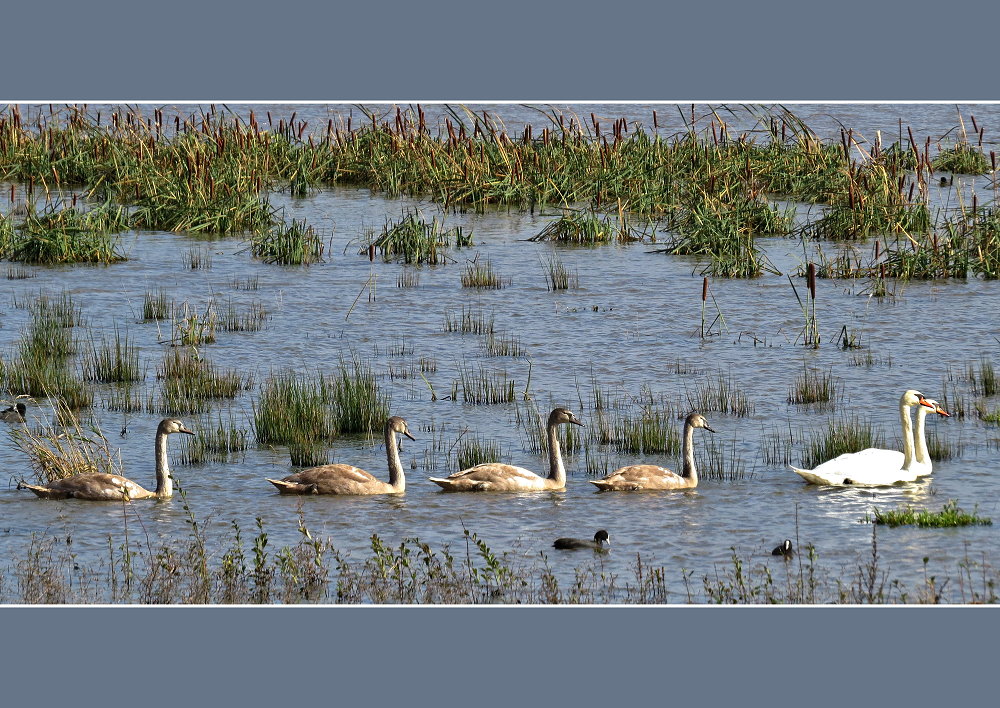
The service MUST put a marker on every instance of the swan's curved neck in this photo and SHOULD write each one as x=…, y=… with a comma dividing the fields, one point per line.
x=689, y=471
x=907, y=423
x=557, y=472
x=920, y=441
x=164, y=482
x=396, y=478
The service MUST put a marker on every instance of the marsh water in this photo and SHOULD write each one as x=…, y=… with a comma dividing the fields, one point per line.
x=632, y=326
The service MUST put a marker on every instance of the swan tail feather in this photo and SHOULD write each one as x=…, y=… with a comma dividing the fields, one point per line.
x=294, y=487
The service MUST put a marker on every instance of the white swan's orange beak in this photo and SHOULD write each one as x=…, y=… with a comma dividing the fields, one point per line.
x=925, y=402
x=941, y=411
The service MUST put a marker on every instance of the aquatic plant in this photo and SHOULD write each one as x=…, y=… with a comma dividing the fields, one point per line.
x=469, y=320
x=842, y=434
x=292, y=408
x=480, y=274
x=557, y=276
x=951, y=515
x=65, y=235
x=813, y=386
x=219, y=443
x=114, y=360
x=412, y=239
x=288, y=244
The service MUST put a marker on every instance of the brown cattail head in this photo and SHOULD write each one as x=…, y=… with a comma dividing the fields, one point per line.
x=811, y=275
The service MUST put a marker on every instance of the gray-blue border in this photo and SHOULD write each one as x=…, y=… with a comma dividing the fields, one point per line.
x=553, y=51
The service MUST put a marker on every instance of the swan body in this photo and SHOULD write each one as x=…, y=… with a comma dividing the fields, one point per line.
x=875, y=467
x=498, y=477
x=638, y=477
x=14, y=414
x=113, y=487
x=601, y=540
x=350, y=480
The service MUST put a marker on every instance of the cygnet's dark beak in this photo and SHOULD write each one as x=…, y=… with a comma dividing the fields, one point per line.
x=711, y=430
x=407, y=434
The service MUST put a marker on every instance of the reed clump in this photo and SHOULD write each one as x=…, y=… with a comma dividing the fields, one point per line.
x=962, y=158
x=950, y=516
x=846, y=434
x=472, y=450
x=482, y=387
x=292, y=408
x=66, y=447
x=112, y=360
x=156, y=306
x=813, y=386
x=557, y=276
x=360, y=406
x=288, y=244
x=413, y=239
x=723, y=395
x=56, y=235
x=189, y=383
x=589, y=228
x=481, y=274
x=253, y=319
x=469, y=320
x=222, y=442
x=503, y=344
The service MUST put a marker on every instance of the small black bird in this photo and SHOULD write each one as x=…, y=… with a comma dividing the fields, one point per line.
x=785, y=549
x=598, y=544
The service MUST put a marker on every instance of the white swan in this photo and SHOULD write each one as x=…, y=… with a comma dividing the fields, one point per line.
x=113, y=487
x=875, y=467
x=636, y=477
x=497, y=477
x=347, y=479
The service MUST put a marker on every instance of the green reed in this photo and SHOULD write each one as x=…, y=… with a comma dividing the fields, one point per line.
x=481, y=274
x=112, y=360
x=962, y=158
x=189, y=328
x=223, y=442
x=557, y=276
x=413, y=239
x=845, y=434
x=408, y=278
x=189, y=383
x=252, y=319
x=360, y=406
x=950, y=516
x=722, y=394
x=156, y=306
x=503, y=344
x=813, y=386
x=482, y=387
x=588, y=228
x=288, y=244
x=983, y=377
x=198, y=258
x=469, y=320
x=57, y=235
x=471, y=450
x=292, y=408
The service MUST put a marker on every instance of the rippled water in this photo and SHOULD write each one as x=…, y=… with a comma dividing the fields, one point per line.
x=635, y=315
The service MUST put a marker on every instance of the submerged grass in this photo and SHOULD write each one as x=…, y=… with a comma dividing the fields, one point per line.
x=813, y=386
x=480, y=274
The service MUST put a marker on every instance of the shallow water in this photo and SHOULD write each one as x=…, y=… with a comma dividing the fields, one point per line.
x=634, y=316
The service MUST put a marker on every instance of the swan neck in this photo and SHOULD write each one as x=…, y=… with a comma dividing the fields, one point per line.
x=396, y=478
x=920, y=441
x=164, y=482
x=907, y=423
x=557, y=472
x=689, y=471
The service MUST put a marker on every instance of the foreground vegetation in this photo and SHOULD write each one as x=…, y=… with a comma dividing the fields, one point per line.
x=251, y=571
